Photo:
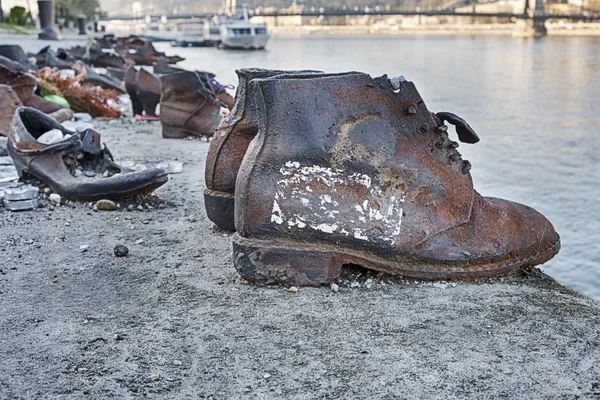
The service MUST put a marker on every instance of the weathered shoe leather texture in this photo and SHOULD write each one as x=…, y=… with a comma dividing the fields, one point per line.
x=188, y=105
x=351, y=170
x=54, y=164
x=15, y=76
x=9, y=102
x=229, y=145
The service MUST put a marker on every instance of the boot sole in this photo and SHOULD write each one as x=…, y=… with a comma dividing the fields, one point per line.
x=172, y=132
x=295, y=263
x=220, y=208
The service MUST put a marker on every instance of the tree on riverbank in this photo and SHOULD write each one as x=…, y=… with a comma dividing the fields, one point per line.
x=70, y=9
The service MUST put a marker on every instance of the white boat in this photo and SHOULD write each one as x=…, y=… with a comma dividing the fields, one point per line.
x=241, y=34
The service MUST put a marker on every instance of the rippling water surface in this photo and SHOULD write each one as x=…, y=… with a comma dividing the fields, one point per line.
x=534, y=103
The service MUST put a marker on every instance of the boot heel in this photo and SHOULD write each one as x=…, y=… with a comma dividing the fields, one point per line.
x=220, y=208
x=172, y=132
x=149, y=102
x=24, y=175
x=264, y=262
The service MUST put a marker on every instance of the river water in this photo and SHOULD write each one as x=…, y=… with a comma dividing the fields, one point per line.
x=534, y=103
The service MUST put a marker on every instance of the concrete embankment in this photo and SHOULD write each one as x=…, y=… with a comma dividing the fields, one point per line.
x=172, y=319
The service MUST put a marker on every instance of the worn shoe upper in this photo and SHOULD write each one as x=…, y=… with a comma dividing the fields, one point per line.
x=76, y=166
x=361, y=163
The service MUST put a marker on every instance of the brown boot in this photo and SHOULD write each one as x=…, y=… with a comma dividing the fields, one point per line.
x=9, y=102
x=188, y=106
x=355, y=170
x=14, y=75
x=229, y=145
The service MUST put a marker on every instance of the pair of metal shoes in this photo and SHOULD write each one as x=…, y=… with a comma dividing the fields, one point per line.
x=190, y=101
x=317, y=170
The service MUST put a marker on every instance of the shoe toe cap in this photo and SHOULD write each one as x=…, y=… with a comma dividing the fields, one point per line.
x=499, y=232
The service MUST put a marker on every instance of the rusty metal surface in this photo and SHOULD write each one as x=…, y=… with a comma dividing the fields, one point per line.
x=351, y=162
x=15, y=76
x=234, y=134
x=188, y=106
x=9, y=102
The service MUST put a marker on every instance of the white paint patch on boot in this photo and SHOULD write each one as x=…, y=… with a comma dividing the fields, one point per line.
x=331, y=201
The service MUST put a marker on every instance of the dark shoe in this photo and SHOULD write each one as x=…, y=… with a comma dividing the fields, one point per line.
x=116, y=73
x=188, y=106
x=144, y=90
x=147, y=55
x=148, y=87
x=104, y=59
x=229, y=145
x=14, y=75
x=43, y=105
x=76, y=167
x=356, y=170
x=91, y=77
x=15, y=53
x=9, y=102
x=131, y=88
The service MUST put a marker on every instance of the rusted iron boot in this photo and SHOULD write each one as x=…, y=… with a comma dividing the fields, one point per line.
x=73, y=164
x=229, y=145
x=356, y=170
x=9, y=102
x=188, y=105
x=14, y=75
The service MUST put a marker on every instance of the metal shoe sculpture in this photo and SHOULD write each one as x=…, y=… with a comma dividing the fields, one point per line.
x=355, y=170
x=188, y=105
x=230, y=143
x=73, y=164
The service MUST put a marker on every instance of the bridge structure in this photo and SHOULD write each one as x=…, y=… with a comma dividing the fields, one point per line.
x=532, y=18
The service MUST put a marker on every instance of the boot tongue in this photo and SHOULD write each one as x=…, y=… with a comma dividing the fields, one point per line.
x=465, y=133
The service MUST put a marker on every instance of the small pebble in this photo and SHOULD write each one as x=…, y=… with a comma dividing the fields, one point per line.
x=83, y=247
x=139, y=241
x=266, y=376
x=335, y=287
x=54, y=198
x=293, y=289
x=121, y=251
x=154, y=377
x=47, y=190
x=106, y=205
x=197, y=254
x=177, y=362
x=139, y=207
